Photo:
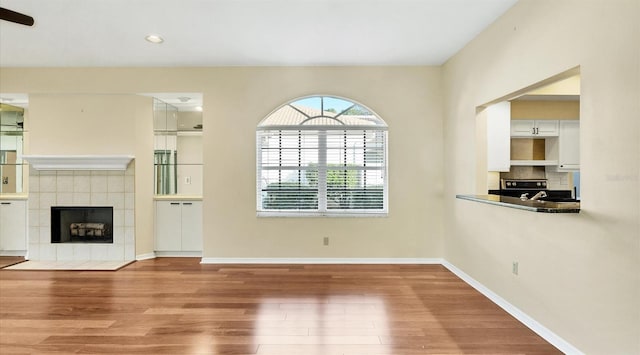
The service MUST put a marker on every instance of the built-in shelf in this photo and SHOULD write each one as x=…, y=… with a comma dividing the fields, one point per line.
x=79, y=162
x=534, y=162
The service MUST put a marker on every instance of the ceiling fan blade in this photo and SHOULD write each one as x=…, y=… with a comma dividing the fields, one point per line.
x=16, y=17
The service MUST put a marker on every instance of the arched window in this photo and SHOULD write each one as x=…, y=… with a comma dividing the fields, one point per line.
x=321, y=155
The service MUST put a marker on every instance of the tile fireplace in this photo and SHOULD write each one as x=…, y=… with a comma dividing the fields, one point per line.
x=93, y=235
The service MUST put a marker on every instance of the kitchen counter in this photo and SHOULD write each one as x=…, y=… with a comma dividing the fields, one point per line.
x=14, y=196
x=177, y=197
x=527, y=205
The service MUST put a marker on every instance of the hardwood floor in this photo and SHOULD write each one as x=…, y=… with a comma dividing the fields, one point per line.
x=10, y=260
x=178, y=306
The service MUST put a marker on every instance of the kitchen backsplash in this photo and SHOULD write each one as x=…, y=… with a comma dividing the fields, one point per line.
x=524, y=172
x=558, y=181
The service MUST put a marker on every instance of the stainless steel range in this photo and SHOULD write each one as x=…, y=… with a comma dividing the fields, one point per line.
x=524, y=185
x=532, y=189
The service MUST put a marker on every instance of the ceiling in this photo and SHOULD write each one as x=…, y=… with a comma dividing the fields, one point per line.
x=110, y=33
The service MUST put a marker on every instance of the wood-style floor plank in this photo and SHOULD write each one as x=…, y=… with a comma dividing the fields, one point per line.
x=10, y=260
x=179, y=306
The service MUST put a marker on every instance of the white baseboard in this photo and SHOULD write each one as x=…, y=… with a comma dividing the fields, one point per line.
x=178, y=254
x=14, y=253
x=525, y=319
x=321, y=261
x=146, y=256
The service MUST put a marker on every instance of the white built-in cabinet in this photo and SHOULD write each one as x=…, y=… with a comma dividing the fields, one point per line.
x=534, y=128
x=178, y=227
x=569, y=146
x=562, y=140
x=498, y=137
x=13, y=227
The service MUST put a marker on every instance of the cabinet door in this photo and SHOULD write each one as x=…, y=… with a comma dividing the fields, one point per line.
x=569, y=146
x=498, y=139
x=192, y=226
x=13, y=225
x=522, y=128
x=168, y=226
x=546, y=128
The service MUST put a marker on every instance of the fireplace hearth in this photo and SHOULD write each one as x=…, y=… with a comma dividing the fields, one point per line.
x=80, y=224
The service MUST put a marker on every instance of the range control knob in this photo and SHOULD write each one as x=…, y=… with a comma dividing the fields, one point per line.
x=508, y=183
x=514, y=183
x=539, y=184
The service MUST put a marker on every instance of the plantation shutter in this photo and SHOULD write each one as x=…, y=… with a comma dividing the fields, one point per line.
x=320, y=170
x=287, y=170
x=355, y=169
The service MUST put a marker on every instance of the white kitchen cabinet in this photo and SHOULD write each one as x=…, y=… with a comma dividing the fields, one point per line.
x=534, y=128
x=13, y=227
x=178, y=226
x=498, y=137
x=569, y=146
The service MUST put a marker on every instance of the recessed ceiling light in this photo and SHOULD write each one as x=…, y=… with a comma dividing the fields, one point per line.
x=198, y=108
x=154, y=39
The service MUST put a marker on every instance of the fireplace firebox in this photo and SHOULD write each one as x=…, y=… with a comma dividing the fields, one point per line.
x=79, y=224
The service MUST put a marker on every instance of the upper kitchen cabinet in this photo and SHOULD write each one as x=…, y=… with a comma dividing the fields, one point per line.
x=498, y=137
x=569, y=146
x=11, y=149
x=178, y=160
x=534, y=128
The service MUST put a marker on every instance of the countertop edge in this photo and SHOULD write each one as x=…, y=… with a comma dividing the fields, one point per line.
x=486, y=199
x=177, y=198
x=19, y=196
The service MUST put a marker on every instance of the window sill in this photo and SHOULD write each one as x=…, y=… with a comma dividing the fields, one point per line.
x=269, y=214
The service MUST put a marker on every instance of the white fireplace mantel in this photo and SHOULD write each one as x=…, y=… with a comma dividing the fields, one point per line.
x=79, y=162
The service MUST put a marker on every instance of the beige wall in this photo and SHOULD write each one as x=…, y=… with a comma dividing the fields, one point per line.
x=235, y=100
x=545, y=110
x=81, y=124
x=408, y=99
x=579, y=274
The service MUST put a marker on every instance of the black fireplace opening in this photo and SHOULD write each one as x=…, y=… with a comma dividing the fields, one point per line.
x=80, y=224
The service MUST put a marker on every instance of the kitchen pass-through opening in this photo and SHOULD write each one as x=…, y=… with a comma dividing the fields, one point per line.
x=532, y=135
x=78, y=224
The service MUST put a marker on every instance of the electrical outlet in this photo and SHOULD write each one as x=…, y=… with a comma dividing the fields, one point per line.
x=325, y=241
x=514, y=268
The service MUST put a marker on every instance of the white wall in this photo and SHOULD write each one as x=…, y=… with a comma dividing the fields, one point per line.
x=579, y=273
